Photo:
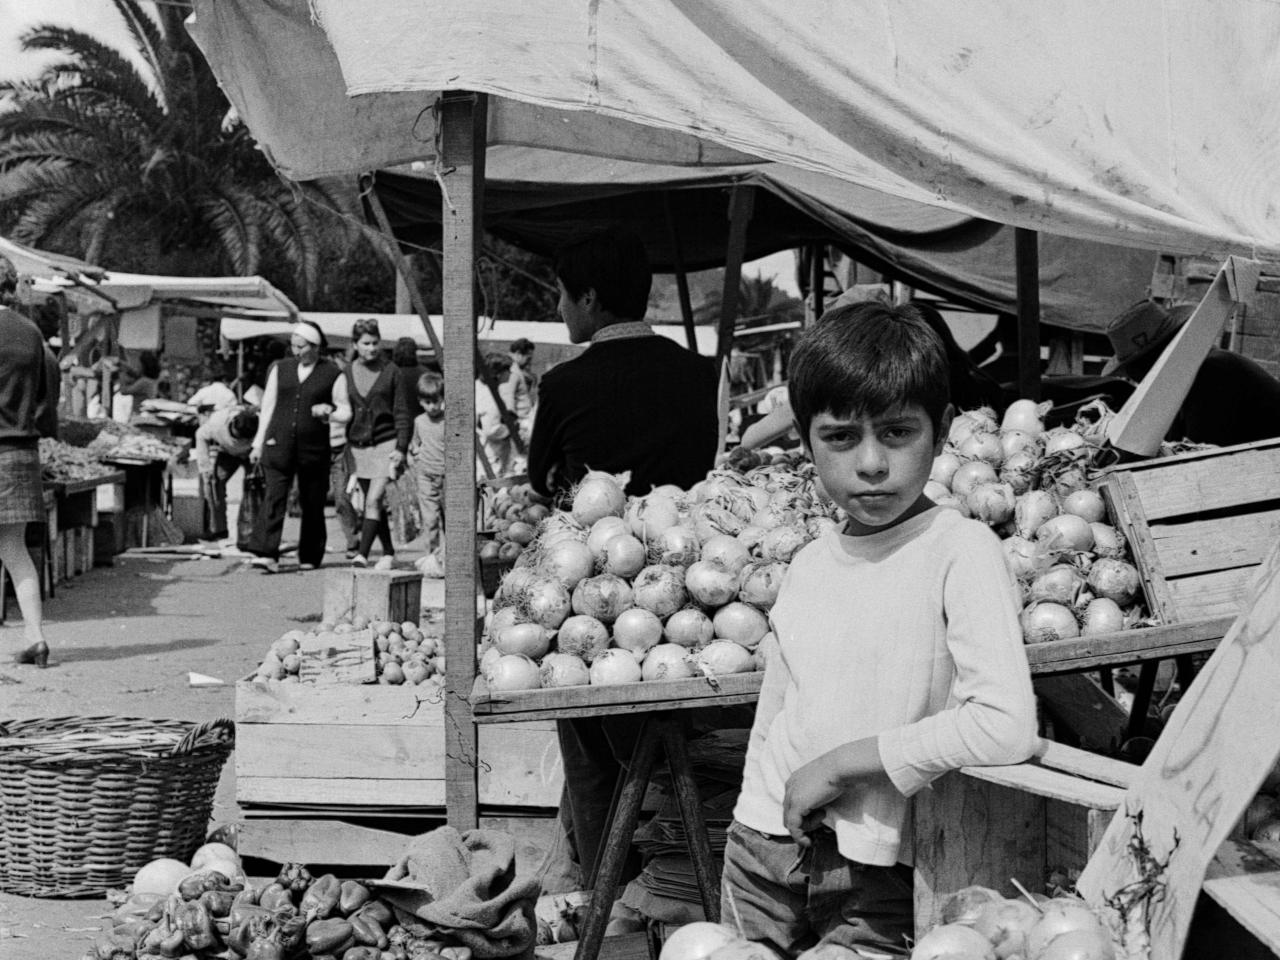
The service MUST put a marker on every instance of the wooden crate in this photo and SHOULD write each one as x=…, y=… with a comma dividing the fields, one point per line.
x=1199, y=524
x=394, y=595
x=370, y=745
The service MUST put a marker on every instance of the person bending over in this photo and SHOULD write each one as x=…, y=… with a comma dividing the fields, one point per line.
x=897, y=657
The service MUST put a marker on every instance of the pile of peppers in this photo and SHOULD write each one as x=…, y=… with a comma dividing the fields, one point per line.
x=295, y=916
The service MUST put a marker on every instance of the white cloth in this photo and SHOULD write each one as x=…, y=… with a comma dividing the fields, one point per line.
x=216, y=395
x=909, y=635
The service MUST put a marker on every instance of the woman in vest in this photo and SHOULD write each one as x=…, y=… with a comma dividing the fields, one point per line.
x=378, y=434
x=293, y=441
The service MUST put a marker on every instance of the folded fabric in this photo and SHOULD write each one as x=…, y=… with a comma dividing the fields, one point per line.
x=465, y=884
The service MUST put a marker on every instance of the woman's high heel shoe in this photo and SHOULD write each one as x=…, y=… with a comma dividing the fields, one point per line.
x=37, y=653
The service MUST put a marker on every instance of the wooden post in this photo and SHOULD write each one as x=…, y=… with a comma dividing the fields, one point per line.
x=462, y=119
x=1026, y=255
x=817, y=279
x=682, y=278
x=741, y=201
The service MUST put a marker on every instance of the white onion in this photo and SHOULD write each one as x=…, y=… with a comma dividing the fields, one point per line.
x=970, y=422
x=1020, y=470
x=750, y=537
x=1045, y=622
x=1031, y=510
x=741, y=623
x=487, y=658
x=563, y=670
x=1079, y=945
x=602, y=531
x=1016, y=441
x=982, y=446
x=952, y=502
x=511, y=672
x=945, y=465
x=546, y=601
x=689, y=628
x=615, y=666
x=759, y=583
x=650, y=516
x=1115, y=580
x=603, y=596
x=1006, y=924
x=1024, y=557
x=818, y=527
x=710, y=583
x=583, y=637
x=1061, y=583
x=933, y=490
x=1107, y=541
x=964, y=905
x=951, y=940
x=567, y=560
x=660, y=590
x=636, y=631
x=992, y=503
x=1061, y=439
x=527, y=639
x=1061, y=917
x=667, y=661
x=721, y=657
x=502, y=617
x=783, y=543
x=624, y=556
x=1087, y=504
x=597, y=496
x=1025, y=415
x=696, y=941
x=1102, y=615
x=727, y=551
x=711, y=518
x=1065, y=533
x=772, y=516
x=678, y=546
x=970, y=474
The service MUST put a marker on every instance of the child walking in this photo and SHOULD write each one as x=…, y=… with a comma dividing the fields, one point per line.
x=426, y=458
x=898, y=654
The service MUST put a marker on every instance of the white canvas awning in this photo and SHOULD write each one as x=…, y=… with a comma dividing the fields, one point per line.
x=1143, y=124
x=128, y=291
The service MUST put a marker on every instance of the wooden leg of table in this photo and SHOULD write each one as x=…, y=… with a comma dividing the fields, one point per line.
x=695, y=825
x=1142, y=697
x=617, y=842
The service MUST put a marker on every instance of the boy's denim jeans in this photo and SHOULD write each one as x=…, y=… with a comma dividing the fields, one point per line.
x=792, y=898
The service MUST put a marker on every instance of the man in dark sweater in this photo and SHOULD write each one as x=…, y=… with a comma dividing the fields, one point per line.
x=632, y=401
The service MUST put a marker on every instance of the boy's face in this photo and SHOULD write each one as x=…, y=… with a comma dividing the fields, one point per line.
x=433, y=407
x=875, y=467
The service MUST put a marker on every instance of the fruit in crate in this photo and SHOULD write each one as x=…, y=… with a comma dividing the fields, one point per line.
x=356, y=650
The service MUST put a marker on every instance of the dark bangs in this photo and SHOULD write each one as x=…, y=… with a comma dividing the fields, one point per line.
x=867, y=358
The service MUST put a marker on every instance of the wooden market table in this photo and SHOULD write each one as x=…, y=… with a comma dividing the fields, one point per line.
x=147, y=482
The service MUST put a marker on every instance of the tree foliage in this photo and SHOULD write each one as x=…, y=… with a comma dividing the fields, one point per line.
x=118, y=163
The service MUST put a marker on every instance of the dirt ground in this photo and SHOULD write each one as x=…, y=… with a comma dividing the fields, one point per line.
x=126, y=637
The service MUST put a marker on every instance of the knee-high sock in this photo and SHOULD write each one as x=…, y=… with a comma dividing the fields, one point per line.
x=368, y=532
x=384, y=536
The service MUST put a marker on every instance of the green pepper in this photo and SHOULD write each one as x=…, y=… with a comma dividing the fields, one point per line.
x=293, y=930
x=249, y=895
x=116, y=946
x=321, y=899
x=363, y=953
x=218, y=902
x=367, y=931
x=197, y=883
x=378, y=910
x=196, y=925
x=352, y=897
x=329, y=936
x=275, y=896
x=246, y=921
x=134, y=930
x=265, y=947
x=294, y=877
x=456, y=953
x=165, y=939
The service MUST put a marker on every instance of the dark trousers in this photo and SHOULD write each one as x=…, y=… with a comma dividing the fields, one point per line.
x=340, y=468
x=313, y=486
x=225, y=466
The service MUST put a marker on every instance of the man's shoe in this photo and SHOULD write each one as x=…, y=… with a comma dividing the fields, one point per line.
x=265, y=564
x=385, y=563
x=359, y=561
x=306, y=566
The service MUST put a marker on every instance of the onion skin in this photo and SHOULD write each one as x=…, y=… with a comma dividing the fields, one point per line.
x=667, y=661
x=660, y=590
x=696, y=941
x=1087, y=504
x=964, y=905
x=1065, y=533
x=1045, y=622
x=615, y=666
x=1032, y=510
x=970, y=474
x=689, y=628
x=1102, y=615
x=1063, y=917
x=953, y=940
x=563, y=670
x=1115, y=580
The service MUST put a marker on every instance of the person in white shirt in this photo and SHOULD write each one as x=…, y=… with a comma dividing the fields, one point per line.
x=223, y=443
x=214, y=395
x=898, y=655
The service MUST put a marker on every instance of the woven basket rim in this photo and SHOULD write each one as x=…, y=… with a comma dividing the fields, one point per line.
x=102, y=736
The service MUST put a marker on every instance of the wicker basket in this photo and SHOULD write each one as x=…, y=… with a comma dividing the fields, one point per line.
x=86, y=801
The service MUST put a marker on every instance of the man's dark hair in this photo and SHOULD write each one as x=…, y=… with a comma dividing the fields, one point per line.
x=613, y=262
x=868, y=358
x=244, y=425
x=523, y=345
x=405, y=352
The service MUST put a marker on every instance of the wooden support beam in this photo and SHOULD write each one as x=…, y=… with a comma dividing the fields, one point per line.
x=462, y=119
x=741, y=202
x=1026, y=253
x=817, y=280
x=682, y=277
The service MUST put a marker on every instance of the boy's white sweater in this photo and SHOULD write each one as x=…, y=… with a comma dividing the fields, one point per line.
x=909, y=635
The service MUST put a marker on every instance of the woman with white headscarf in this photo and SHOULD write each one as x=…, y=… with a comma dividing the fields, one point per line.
x=293, y=440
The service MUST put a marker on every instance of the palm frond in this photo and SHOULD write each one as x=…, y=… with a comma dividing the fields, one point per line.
x=49, y=214
x=287, y=222
x=118, y=139
x=232, y=214
x=94, y=68
x=147, y=40
x=99, y=217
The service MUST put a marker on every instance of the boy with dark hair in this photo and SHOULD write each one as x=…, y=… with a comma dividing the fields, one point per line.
x=426, y=458
x=898, y=654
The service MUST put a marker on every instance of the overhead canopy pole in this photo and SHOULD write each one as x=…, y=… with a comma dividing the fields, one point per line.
x=682, y=276
x=817, y=280
x=741, y=202
x=1026, y=254
x=462, y=155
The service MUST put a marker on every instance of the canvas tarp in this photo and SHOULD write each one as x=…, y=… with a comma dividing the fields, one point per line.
x=539, y=200
x=1146, y=124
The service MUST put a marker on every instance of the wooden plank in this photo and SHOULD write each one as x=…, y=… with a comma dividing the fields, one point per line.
x=320, y=842
x=1129, y=510
x=1244, y=878
x=394, y=595
x=1212, y=594
x=1026, y=266
x=1081, y=763
x=1066, y=837
x=1249, y=475
x=627, y=946
x=656, y=694
x=260, y=702
x=1206, y=766
x=372, y=752
x=969, y=831
x=462, y=148
x=1077, y=701
x=1203, y=546
x=353, y=792
x=1042, y=782
x=1128, y=646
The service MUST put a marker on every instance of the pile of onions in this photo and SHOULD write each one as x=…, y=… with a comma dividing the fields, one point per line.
x=710, y=583
x=567, y=560
x=563, y=670
x=598, y=495
x=603, y=596
x=660, y=590
x=582, y=636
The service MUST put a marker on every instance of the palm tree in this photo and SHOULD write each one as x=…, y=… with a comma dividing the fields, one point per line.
x=97, y=155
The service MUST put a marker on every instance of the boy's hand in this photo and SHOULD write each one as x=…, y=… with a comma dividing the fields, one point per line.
x=808, y=792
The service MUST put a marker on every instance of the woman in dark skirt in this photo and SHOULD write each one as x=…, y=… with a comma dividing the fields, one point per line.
x=28, y=411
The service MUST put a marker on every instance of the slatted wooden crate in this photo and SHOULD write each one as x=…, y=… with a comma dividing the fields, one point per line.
x=1199, y=524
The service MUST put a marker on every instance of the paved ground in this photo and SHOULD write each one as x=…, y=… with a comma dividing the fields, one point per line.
x=126, y=638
